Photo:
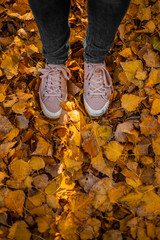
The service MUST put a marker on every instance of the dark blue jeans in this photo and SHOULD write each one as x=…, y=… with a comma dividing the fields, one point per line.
x=51, y=16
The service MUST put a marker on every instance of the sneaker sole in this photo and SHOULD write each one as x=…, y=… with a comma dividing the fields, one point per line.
x=48, y=113
x=95, y=113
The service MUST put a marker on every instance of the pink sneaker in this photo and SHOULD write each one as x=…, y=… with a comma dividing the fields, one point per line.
x=53, y=89
x=97, y=88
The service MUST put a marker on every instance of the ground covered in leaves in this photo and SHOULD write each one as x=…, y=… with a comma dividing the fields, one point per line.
x=79, y=177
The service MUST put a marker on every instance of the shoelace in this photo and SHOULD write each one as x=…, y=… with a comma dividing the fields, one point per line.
x=53, y=82
x=98, y=82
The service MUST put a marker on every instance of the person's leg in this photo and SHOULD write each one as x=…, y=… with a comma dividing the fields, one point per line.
x=51, y=17
x=104, y=17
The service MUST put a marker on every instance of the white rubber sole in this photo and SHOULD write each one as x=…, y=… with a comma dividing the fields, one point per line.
x=48, y=113
x=95, y=113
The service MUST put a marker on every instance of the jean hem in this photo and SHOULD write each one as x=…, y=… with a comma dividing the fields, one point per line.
x=57, y=62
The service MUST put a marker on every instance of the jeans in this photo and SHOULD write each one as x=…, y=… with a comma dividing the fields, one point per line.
x=51, y=16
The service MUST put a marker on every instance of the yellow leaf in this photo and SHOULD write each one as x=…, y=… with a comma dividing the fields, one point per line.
x=62, y=180
x=81, y=205
x=154, y=77
x=140, y=74
x=155, y=108
x=73, y=159
x=36, y=199
x=150, y=204
x=76, y=138
x=43, y=223
x=19, y=169
x=19, y=107
x=19, y=231
x=2, y=176
x=10, y=101
x=15, y=200
x=5, y=148
x=74, y=116
x=146, y=160
x=68, y=227
x=10, y=61
x=117, y=192
x=105, y=132
x=132, y=199
x=150, y=26
x=100, y=190
x=87, y=233
x=36, y=163
x=52, y=201
x=156, y=144
x=113, y=150
x=2, y=97
x=144, y=14
x=149, y=125
x=133, y=182
x=101, y=164
x=126, y=53
x=51, y=187
x=11, y=135
x=131, y=67
x=43, y=148
x=28, y=182
x=130, y=102
x=95, y=224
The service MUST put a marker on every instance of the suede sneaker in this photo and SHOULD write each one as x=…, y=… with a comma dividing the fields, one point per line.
x=53, y=89
x=97, y=88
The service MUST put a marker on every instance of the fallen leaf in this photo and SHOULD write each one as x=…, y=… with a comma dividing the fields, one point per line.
x=19, y=169
x=36, y=163
x=113, y=150
x=19, y=231
x=130, y=102
x=14, y=201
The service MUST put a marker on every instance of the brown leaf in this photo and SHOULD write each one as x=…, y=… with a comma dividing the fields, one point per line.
x=152, y=58
x=90, y=145
x=43, y=148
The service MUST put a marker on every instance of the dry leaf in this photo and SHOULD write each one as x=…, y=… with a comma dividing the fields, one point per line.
x=19, y=231
x=19, y=169
x=36, y=163
x=14, y=201
x=113, y=150
x=130, y=102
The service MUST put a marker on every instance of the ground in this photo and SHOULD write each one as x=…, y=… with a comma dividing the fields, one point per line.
x=80, y=177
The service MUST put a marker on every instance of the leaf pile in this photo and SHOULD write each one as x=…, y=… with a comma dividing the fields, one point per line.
x=80, y=177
